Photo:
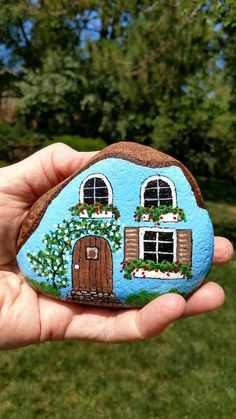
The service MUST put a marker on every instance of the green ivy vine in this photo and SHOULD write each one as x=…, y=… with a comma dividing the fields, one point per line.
x=51, y=263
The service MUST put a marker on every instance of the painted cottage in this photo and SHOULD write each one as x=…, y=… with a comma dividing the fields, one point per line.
x=130, y=226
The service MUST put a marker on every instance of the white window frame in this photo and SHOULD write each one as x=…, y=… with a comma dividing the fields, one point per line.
x=165, y=179
x=108, y=185
x=142, y=231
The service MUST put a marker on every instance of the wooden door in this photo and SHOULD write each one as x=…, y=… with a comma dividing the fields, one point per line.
x=92, y=265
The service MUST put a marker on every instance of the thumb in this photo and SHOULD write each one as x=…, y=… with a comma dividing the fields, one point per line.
x=35, y=175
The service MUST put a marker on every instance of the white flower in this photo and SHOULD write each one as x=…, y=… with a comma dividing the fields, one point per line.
x=47, y=253
x=117, y=235
x=108, y=224
x=66, y=239
x=55, y=268
x=92, y=225
x=60, y=225
x=42, y=274
x=66, y=231
x=50, y=275
x=78, y=228
x=45, y=241
x=111, y=233
x=71, y=225
x=102, y=225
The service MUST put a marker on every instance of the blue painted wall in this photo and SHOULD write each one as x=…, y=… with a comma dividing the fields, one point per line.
x=126, y=179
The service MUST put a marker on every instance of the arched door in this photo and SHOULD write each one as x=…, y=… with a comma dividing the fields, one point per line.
x=92, y=265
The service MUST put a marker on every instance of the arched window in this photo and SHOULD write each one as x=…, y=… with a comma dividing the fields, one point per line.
x=158, y=191
x=96, y=188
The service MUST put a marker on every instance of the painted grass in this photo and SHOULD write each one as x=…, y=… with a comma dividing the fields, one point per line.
x=188, y=372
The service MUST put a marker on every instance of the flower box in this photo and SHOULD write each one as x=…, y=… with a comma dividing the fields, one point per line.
x=166, y=214
x=97, y=210
x=100, y=214
x=140, y=268
x=141, y=273
x=166, y=218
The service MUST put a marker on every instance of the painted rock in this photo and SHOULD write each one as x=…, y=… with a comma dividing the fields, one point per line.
x=128, y=227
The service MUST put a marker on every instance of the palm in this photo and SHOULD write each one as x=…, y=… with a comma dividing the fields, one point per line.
x=28, y=317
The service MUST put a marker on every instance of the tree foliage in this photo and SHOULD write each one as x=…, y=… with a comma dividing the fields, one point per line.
x=161, y=73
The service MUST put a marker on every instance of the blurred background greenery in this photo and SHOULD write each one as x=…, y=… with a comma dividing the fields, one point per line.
x=162, y=73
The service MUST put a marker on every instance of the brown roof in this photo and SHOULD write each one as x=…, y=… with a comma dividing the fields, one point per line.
x=133, y=152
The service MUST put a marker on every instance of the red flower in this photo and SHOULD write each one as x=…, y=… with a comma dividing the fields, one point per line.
x=161, y=218
x=125, y=276
x=100, y=206
x=174, y=218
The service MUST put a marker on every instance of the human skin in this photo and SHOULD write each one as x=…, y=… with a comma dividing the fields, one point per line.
x=27, y=317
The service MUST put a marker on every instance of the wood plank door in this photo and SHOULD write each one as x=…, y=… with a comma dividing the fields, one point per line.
x=92, y=265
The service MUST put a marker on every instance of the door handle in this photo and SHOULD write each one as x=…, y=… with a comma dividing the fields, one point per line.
x=76, y=266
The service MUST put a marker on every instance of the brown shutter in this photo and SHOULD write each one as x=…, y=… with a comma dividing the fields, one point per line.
x=131, y=243
x=184, y=246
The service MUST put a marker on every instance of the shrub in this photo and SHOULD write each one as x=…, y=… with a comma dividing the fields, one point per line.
x=18, y=142
x=79, y=143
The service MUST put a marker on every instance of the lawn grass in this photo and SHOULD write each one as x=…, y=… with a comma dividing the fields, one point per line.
x=187, y=372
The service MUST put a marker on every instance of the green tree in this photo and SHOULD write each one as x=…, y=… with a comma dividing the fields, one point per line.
x=151, y=71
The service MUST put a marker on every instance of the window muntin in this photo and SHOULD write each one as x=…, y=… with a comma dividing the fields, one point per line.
x=158, y=245
x=158, y=191
x=94, y=189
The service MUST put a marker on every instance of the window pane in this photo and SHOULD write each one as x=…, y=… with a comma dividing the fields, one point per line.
x=165, y=193
x=149, y=246
x=88, y=193
x=89, y=200
x=103, y=192
x=162, y=183
x=165, y=256
x=99, y=182
x=165, y=247
x=152, y=184
x=150, y=235
x=103, y=201
x=150, y=193
x=89, y=183
x=165, y=236
x=150, y=203
x=166, y=202
x=150, y=256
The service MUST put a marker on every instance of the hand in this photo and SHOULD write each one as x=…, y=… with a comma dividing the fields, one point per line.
x=27, y=317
